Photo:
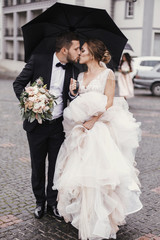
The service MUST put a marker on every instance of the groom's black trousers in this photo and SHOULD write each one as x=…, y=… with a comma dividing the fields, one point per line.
x=44, y=140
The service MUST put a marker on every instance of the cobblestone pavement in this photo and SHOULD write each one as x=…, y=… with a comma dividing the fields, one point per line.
x=16, y=199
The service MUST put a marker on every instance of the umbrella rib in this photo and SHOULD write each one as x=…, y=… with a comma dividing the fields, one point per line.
x=59, y=28
x=83, y=18
x=65, y=15
x=92, y=29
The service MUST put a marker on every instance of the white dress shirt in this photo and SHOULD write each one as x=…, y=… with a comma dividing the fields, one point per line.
x=56, y=87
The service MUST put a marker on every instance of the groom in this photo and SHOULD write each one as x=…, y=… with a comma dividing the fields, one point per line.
x=45, y=139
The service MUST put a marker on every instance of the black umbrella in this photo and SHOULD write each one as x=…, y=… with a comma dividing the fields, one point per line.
x=40, y=33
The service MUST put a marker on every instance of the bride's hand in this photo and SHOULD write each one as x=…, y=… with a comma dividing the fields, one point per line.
x=89, y=124
x=72, y=86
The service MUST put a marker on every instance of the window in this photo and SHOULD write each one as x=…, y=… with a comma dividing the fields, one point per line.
x=8, y=32
x=8, y=3
x=32, y=1
x=129, y=9
x=149, y=63
x=21, y=1
x=156, y=49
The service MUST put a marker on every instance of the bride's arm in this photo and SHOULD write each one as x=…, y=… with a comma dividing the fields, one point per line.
x=109, y=92
x=110, y=89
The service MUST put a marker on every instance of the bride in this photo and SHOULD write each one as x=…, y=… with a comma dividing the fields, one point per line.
x=95, y=174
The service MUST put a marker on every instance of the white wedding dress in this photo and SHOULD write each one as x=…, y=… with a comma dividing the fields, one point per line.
x=125, y=83
x=95, y=172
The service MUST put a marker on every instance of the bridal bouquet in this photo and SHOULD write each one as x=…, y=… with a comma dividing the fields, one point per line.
x=36, y=102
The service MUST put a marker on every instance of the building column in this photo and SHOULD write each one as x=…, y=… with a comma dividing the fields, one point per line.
x=112, y=8
x=3, y=38
x=1, y=29
x=29, y=15
x=15, y=43
x=147, y=27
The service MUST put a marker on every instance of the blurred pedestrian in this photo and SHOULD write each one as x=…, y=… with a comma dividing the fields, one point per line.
x=125, y=84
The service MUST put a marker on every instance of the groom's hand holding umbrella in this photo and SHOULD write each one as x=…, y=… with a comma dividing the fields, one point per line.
x=73, y=87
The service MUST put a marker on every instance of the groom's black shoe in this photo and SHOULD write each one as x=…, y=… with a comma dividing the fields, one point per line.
x=39, y=211
x=52, y=210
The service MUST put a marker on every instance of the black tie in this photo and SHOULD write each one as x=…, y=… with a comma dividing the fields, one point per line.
x=61, y=65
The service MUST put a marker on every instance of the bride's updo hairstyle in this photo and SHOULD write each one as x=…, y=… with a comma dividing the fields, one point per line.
x=98, y=50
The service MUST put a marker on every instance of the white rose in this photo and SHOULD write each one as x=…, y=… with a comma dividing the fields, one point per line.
x=32, y=99
x=35, y=110
x=37, y=105
x=42, y=97
x=35, y=90
x=30, y=90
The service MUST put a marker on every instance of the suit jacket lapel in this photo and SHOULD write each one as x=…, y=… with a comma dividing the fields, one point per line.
x=68, y=75
x=44, y=68
x=48, y=69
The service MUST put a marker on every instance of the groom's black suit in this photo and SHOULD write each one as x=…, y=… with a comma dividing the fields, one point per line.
x=43, y=138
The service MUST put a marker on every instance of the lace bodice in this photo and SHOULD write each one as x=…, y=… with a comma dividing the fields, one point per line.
x=97, y=84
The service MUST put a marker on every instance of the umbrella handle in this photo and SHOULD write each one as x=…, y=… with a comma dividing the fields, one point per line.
x=77, y=87
x=77, y=83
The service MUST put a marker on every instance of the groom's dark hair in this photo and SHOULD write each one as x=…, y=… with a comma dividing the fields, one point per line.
x=65, y=40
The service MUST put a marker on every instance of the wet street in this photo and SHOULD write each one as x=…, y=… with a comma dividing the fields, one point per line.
x=17, y=202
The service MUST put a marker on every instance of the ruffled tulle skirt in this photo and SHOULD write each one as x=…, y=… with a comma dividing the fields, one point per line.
x=95, y=173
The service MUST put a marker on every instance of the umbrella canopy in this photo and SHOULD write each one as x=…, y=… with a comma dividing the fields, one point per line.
x=89, y=23
x=128, y=47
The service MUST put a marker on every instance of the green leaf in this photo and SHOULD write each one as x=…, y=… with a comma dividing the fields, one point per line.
x=32, y=118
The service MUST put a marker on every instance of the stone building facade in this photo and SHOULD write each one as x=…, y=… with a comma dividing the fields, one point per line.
x=138, y=20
